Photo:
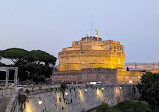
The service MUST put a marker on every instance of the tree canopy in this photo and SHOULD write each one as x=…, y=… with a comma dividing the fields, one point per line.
x=15, y=54
x=0, y=55
x=149, y=88
x=18, y=54
x=42, y=56
x=29, y=63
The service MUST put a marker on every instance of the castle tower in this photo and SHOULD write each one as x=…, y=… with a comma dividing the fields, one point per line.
x=92, y=52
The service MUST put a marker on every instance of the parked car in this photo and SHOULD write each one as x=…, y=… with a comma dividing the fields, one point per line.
x=99, y=82
x=11, y=84
x=92, y=83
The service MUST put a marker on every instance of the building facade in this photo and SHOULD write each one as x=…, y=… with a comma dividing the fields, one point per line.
x=92, y=59
x=92, y=52
x=104, y=75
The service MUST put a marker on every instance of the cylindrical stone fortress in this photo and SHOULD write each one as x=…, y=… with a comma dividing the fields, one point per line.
x=92, y=52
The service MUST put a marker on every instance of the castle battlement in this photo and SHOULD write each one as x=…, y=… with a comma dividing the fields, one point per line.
x=85, y=70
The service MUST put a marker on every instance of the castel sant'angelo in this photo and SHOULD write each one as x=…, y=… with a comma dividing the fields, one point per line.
x=94, y=59
x=92, y=52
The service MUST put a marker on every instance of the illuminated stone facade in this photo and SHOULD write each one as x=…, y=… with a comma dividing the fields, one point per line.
x=92, y=59
x=105, y=75
x=92, y=52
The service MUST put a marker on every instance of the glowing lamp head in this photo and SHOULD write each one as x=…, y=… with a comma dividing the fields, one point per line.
x=66, y=93
x=102, y=88
x=85, y=90
x=130, y=82
x=120, y=87
x=40, y=102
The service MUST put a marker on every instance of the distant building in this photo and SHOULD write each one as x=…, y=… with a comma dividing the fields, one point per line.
x=149, y=67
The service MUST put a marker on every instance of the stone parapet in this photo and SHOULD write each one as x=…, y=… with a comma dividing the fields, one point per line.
x=79, y=97
x=104, y=75
x=142, y=66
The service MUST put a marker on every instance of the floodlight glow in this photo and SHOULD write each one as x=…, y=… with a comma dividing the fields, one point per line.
x=40, y=102
x=130, y=82
x=66, y=93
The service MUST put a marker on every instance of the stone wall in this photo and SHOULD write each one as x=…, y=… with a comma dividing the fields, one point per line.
x=79, y=97
x=14, y=105
x=142, y=66
x=127, y=77
x=86, y=75
x=120, y=76
x=77, y=60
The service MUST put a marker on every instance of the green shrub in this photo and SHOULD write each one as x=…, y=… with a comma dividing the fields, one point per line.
x=149, y=88
x=105, y=108
x=126, y=106
x=132, y=106
x=63, y=86
x=27, y=91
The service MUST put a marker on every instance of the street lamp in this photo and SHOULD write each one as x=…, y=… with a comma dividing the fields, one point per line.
x=66, y=93
x=130, y=81
x=40, y=102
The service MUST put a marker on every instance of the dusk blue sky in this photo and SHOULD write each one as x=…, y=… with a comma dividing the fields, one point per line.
x=51, y=25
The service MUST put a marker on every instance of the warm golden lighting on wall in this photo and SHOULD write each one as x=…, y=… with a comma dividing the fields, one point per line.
x=99, y=93
x=95, y=54
x=81, y=95
x=57, y=97
x=117, y=91
x=28, y=107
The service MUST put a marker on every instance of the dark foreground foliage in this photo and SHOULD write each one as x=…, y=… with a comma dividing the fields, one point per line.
x=149, y=88
x=126, y=106
x=132, y=106
x=105, y=108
